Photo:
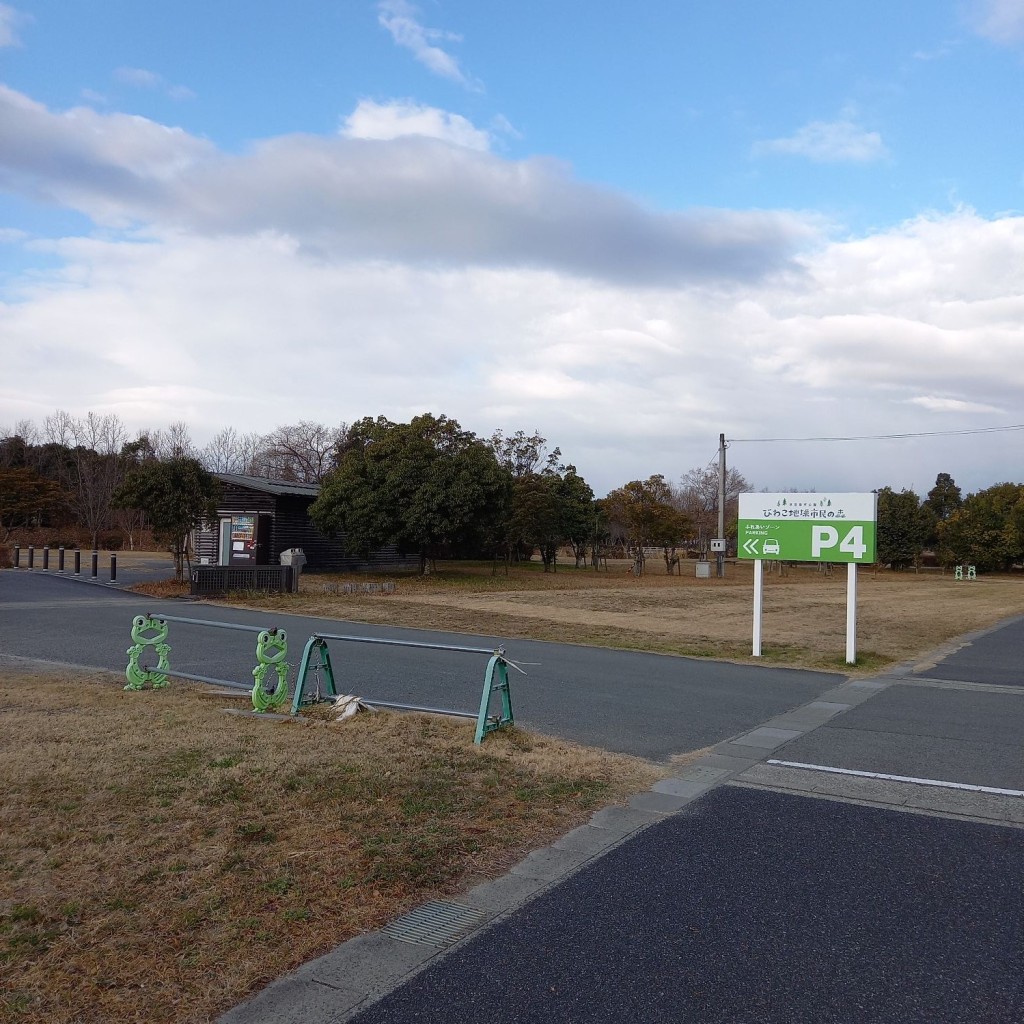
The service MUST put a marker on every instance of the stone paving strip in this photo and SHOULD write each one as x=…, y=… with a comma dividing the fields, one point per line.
x=362, y=970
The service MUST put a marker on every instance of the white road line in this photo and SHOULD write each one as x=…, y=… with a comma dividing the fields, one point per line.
x=897, y=778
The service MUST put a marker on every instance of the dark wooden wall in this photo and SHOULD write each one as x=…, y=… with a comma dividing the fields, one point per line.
x=291, y=527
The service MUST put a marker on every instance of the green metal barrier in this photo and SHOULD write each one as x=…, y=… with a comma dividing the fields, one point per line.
x=316, y=663
x=271, y=651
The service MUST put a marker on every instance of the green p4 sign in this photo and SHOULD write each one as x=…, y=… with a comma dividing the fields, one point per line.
x=807, y=527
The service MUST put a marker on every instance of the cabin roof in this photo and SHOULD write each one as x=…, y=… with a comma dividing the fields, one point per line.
x=268, y=486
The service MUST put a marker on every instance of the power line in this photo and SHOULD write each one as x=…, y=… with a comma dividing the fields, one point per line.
x=879, y=437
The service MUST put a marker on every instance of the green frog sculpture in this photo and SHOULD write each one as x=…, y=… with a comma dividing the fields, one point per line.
x=271, y=650
x=148, y=631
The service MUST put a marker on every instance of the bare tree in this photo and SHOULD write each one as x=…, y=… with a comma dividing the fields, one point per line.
x=175, y=442
x=91, y=466
x=697, y=498
x=25, y=429
x=249, y=447
x=17, y=444
x=303, y=451
x=223, y=454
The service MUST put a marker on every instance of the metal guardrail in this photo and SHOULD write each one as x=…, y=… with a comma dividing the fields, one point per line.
x=150, y=633
x=316, y=663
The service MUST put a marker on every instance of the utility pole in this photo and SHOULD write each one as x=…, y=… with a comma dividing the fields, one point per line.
x=721, y=503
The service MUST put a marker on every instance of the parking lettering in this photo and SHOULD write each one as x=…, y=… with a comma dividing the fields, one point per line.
x=823, y=537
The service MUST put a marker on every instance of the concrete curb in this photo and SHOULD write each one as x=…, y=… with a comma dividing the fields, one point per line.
x=361, y=971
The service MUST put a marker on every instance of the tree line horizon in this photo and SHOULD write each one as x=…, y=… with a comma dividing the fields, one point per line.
x=437, y=490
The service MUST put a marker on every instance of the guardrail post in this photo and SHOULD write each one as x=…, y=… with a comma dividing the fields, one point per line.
x=95, y=564
x=113, y=568
x=46, y=558
x=17, y=557
x=60, y=559
x=485, y=722
x=31, y=557
x=321, y=664
x=78, y=562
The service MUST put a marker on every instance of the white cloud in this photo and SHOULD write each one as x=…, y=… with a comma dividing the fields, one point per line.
x=111, y=166
x=10, y=21
x=841, y=141
x=915, y=329
x=1000, y=21
x=411, y=273
x=940, y=52
x=410, y=198
x=935, y=403
x=140, y=78
x=401, y=19
x=397, y=119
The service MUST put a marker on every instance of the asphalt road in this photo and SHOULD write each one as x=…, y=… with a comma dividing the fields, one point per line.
x=996, y=658
x=754, y=907
x=965, y=736
x=644, y=704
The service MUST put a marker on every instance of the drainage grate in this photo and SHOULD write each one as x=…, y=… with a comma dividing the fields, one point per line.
x=435, y=924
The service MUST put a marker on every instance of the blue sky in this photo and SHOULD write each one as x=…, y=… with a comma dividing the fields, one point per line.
x=628, y=226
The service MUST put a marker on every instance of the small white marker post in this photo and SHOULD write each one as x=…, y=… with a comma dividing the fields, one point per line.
x=758, y=595
x=851, y=613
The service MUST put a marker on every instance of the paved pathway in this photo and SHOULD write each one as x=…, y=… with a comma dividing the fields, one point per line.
x=755, y=888
x=645, y=704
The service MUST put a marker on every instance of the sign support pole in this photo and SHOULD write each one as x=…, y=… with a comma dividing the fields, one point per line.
x=851, y=613
x=720, y=558
x=758, y=595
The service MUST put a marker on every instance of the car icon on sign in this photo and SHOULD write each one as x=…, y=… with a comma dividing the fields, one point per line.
x=771, y=547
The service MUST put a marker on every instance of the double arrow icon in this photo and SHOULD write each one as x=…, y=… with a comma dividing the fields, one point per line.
x=750, y=547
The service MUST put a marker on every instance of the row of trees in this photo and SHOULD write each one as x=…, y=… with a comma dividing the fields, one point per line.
x=985, y=529
x=431, y=487
x=427, y=485
x=68, y=470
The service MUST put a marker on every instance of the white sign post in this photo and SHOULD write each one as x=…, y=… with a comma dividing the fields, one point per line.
x=808, y=528
x=758, y=602
x=851, y=614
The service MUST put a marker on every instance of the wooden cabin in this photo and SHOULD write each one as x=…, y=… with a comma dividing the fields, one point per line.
x=258, y=518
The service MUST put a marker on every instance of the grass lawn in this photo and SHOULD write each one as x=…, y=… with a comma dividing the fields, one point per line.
x=900, y=615
x=160, y=860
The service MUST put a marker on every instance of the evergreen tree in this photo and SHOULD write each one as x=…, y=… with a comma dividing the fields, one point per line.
x=176, y=494
x=425, y=485
x=902, y=528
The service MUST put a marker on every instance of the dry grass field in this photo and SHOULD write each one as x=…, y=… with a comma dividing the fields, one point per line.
x=159, y=859
x=900, y=615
